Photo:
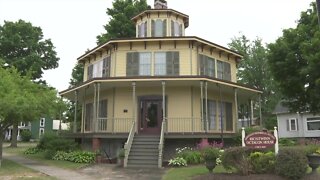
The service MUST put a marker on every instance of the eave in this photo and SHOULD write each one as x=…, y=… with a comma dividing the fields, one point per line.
x=113, y=43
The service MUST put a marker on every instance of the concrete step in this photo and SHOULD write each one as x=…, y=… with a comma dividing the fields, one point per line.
x=145, y=142
x=142, y=158
x=145, y=153
x=143, y=162
x=143, y=146
x=143, y=166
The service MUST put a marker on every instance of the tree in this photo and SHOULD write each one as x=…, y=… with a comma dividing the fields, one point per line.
x=255, y=72
x=76, y=75
x=120, y=24
x=20, y=100
x=22, y=46
x=294, y=61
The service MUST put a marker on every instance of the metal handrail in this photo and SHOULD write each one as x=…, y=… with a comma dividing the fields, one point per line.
x=161, y=144
x=128, y=144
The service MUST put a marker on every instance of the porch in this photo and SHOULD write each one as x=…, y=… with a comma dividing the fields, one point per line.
x=183, y=104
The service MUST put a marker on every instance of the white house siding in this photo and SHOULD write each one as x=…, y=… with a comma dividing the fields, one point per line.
x=302, y=126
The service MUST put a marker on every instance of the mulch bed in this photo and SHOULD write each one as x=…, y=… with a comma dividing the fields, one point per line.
x=223, y=176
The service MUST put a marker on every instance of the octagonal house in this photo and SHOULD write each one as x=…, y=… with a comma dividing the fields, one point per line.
x=158, y=91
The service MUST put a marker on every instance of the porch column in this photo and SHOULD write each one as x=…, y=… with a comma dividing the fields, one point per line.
x=236, y=106
x=260, y=111
x=221, y=119
x=134, y=117
x=98, y=108
x=93, y=125
x=206, y=104
x=201, y=102
x=75, y=111
x=83, y=110
x=251, y=112
x=163, y=83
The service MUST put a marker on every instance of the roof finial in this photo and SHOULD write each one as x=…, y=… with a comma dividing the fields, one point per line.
x=160, y=4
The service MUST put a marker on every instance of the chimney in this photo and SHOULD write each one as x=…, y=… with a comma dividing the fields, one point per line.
x=160, y=4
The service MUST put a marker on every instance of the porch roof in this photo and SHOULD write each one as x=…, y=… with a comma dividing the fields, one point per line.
x=111, y=82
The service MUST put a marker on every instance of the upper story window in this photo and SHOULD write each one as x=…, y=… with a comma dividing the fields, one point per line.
x=223, y=70
x=139, y=64
x=42, y=122
x=99, y=69
x=207, y=66
x=142, y=29
x=176, y=28
x=158, y=28
x=166, y=63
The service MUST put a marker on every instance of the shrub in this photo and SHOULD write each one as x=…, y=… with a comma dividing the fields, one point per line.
x=81, y=157
x=121, y=153
x=191, y=157
x=178, y=161
x=287, y=142
x=237, y=158
x=61, y=156
x=32, y=150
x=210, y=154
x=51, y=141
x=262, y=162
x=25, y=135
x=291, y=163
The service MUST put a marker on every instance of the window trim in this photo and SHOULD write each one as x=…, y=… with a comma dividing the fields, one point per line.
x=313, y=119
x=295, y=124
x=41, y=131
x=43, y=123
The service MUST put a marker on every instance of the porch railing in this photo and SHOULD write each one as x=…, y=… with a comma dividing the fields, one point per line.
x=163, y=126
x=111, y=125
x=127, y=145
x=184, y=125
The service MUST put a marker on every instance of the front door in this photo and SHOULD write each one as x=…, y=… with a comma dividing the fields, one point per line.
x=150, y=115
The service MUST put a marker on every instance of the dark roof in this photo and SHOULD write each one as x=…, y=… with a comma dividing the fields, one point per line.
x=280, y=108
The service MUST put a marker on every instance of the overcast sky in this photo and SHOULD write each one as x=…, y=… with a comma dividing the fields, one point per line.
x=73, y=25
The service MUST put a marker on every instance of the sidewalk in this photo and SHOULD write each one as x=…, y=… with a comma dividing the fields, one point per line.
x=48, y=170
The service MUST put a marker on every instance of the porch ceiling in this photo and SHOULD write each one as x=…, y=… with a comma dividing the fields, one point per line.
x=244, y=93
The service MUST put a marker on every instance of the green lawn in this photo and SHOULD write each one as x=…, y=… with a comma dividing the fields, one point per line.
x=189, y=172
x=40, y=156
x=12, y=170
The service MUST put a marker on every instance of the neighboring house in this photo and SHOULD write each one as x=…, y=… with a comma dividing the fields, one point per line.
x=37, y=128
x=161, y=85
x=296, y=125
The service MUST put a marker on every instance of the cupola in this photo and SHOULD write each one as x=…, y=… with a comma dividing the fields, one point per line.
x=160, y=21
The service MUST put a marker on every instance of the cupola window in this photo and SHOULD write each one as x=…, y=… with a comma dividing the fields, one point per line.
x=142, y=29
x=176, y=28
x=159, y=28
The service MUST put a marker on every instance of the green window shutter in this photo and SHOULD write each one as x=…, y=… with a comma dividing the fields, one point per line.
x=129, y=64
x=201, y=63
x=153, y=28
x=226, y=71
x=288, y=125
x=135, y=64
x=164, y=25
x=176, y=63
x=229, y=123
x=169, y=63
x=172, y=28
x=180, y=30
x=90, y=72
